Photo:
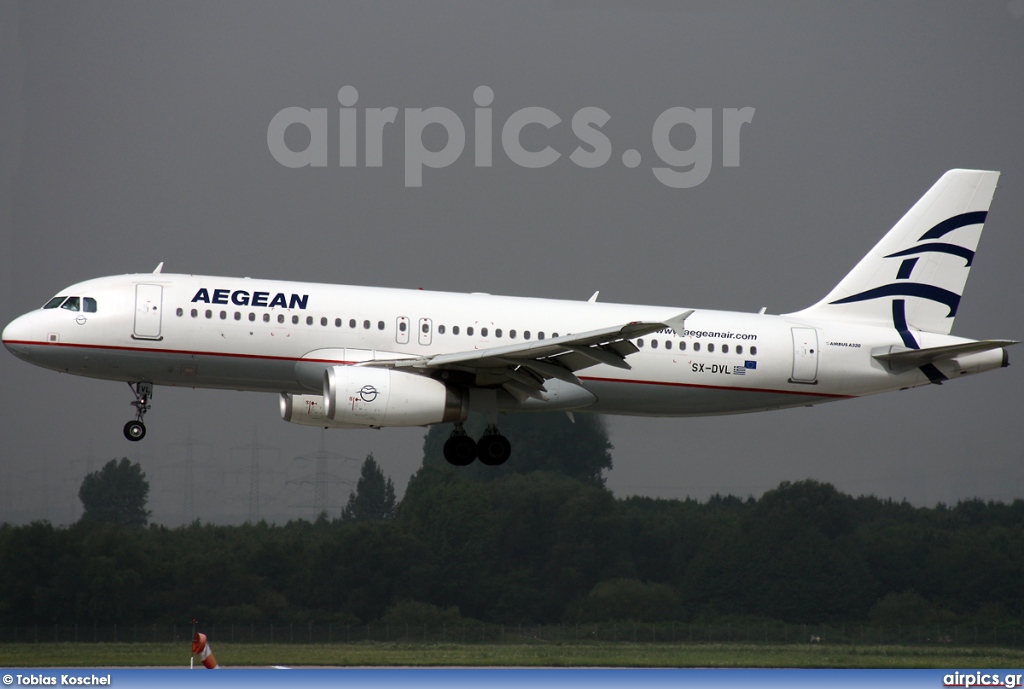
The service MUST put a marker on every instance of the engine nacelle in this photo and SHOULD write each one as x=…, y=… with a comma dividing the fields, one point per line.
x=308, y=410
x=371, y=396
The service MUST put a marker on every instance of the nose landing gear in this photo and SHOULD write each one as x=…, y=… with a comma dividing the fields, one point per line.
x=136, y=430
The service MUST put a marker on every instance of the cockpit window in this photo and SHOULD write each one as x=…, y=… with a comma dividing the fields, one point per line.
x=54, y=303
x=72, y=304
x=88, y=304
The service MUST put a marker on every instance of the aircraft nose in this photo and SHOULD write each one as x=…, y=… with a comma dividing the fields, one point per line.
x=17, y=336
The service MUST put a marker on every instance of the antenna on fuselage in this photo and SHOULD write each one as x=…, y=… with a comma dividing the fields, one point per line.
x=159, y=268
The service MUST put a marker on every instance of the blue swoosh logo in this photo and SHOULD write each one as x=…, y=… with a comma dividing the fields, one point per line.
x=908, y=289
x=938, y=247
x=957, y=221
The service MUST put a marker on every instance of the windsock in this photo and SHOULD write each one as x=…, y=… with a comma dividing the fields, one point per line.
x=201, y=649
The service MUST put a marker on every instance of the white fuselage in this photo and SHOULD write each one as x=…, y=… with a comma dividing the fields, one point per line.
x=275, y=336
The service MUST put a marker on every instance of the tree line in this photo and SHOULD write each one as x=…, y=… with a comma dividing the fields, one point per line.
x=540, y=540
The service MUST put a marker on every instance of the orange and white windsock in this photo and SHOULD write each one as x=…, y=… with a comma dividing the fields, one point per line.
x=201, y=649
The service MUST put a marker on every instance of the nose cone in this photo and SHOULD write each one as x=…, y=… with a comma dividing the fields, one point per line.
x=18, y=335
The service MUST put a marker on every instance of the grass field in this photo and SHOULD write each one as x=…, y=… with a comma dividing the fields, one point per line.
x=510, y=655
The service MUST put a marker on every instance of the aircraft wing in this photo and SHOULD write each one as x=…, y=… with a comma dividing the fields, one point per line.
x=523, y=367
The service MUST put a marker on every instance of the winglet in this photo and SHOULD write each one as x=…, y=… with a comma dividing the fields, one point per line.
x=677, y=322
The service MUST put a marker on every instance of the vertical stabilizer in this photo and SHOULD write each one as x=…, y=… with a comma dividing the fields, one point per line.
x=914, y=277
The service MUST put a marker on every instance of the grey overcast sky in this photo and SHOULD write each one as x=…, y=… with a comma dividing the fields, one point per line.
x=135, y=132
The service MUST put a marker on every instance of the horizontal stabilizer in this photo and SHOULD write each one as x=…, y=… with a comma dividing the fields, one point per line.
x=899, y=358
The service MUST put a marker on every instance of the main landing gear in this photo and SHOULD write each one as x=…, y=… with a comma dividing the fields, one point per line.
x=136, y=430
x=493, y=449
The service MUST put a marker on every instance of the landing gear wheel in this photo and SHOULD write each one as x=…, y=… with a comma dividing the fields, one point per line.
x=135, y=430
x=459, y=449
x=493, y=449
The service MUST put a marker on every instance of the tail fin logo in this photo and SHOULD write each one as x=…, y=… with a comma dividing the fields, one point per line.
x=922, y=263
x=904, y=287
x=918, y=289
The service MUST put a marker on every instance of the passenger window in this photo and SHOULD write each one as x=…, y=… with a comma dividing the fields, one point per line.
x=180, y=312
x=195, y=313
x=352, y=323
x=640, y=343
x=497, y=332
x=380, y=325
x=71, y=304
x=540, y=335
x=654, y=344
x=440, y=330
x=725, y=349
x=682, y=346
x=366, y=325
x=739, y=349
x=483, y=332
x=266, y=318
x=280, y=318
x=209, y=313
x=512, y=334
x=89, y=305
x=469, y=330
x=337, y=322
x=711, y=346
x=753, y=351
x=309, y=320
x=425, y=327
x=223, y=315
x=696, y=346
x=238, y=316
x=455, y=330
x=668, y=344
x=252, y=316
x=526, y=334
x=554, y=334
x=54, y=303
x=295, y=320
x=402, y=326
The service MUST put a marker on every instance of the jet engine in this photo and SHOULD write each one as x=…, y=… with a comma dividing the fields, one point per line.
x=372, y=396
x=308, y=410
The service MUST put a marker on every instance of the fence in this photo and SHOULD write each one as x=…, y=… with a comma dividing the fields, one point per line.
x=1006, y=635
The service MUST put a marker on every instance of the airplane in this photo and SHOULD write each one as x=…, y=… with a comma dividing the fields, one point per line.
x=370, y=357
